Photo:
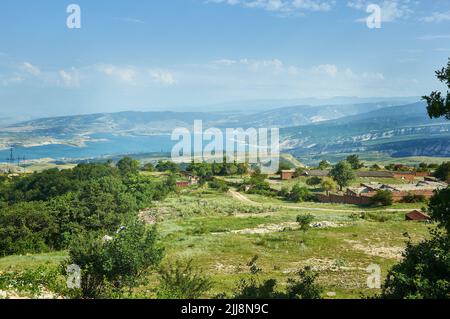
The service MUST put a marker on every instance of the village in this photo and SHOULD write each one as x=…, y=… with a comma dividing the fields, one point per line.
x=415, y=183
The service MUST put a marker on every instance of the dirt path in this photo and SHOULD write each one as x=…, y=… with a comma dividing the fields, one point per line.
x=242, y=198
x=247, y=200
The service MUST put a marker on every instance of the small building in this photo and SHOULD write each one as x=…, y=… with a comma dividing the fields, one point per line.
x=406, y=176
x=287, y=174
x=316, y=173
x=183, y=184
x=375, y=174
x=193, y=180
x=417, y=215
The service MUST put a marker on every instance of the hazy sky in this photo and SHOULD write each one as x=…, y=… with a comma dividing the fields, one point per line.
x=164, y=54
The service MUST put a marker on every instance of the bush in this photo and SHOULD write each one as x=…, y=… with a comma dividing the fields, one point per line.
x=424, y=272
x=110, y=266
x=443, y=171
x=180, y=281
x=304, y=221
x=27, y=228
x=299, y=194
x=383, y=198
x=34, y=282
x=219, y=184
x=413, y=198
x=303, y=287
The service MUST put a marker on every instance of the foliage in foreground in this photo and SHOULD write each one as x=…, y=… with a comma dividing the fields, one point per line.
x=425, y=269
x=181, y=281
x=111, y=265
x=42, y=212
x=303, y=286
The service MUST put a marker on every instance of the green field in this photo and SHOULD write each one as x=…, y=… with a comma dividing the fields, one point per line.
x=221, y=233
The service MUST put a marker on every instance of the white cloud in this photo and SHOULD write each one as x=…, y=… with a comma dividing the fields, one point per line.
x=69, y=78
x=328, y=69
x=252, y=64
x=124, y=74
x=13, y=79
x=162, y=77
x=442, y=49
x=437, y=17
x=434, y=37
x=281, y=6
x=31, y=69
x=391, y=10
x=132, y=20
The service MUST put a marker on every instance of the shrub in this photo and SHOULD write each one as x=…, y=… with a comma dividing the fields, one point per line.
x=413, y=198
x=383, y=198
x=109, y=266
x=299, y=194
x=305, y=286
x=302, y=287
x=219, y=184
x=181, y=281
x=27, y=228
x=34, y=281
x=304, y=221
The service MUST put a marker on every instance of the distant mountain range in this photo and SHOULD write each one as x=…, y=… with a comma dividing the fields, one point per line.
x=383, y=126
x=398, y=131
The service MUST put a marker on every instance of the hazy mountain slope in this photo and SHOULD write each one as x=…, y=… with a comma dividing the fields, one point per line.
x=120, y=123
x=302, y=115
x=398, y=130
x=390, y=130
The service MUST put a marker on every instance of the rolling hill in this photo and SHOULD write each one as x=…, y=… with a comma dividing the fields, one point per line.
x=404, y=130
x=398, y=131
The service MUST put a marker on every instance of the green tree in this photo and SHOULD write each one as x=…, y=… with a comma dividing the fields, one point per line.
x=313, y=181
x=242, y=168
x=328, y=185
x=114, y=264
x=304, y=286
x=324, y=164
x=424, y=272
x=27, y=228
x=383, y=197
x=343, y=174
x=304, y=221
x=167, y=166
x=443, y=171
x=128, y=166
x=355, y=162
x=438, y=106
x=149, y=167
x=299, y=171
x=284, y=167
x=284, y=192
x=219, y=184
x=375, y=167
x=299, y=194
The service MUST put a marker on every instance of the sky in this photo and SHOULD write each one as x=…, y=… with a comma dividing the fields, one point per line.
x=186, y=54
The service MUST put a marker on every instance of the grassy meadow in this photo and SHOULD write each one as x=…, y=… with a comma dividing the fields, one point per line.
x=221, y=232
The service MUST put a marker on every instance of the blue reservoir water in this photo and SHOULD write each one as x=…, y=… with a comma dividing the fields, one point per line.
x=112, y=145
